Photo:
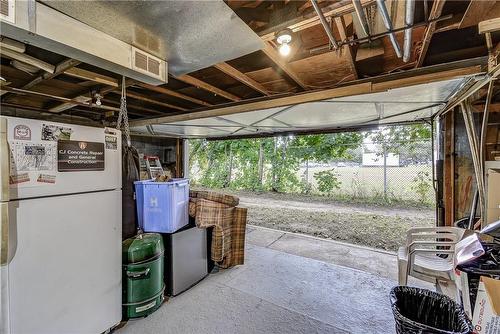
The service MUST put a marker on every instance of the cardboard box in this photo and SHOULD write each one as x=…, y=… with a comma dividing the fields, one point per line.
x=493, y=196
x=486, y=319
x=493, y=185
x=492, y=215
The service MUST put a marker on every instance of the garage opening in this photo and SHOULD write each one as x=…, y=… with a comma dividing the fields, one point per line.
x=365, y=187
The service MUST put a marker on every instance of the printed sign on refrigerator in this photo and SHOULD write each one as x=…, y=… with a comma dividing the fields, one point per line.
x=74, y=156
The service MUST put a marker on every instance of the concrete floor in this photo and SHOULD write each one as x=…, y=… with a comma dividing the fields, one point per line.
x=290, y=283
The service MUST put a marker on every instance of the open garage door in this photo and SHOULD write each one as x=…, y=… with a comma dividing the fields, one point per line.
x=394, y=106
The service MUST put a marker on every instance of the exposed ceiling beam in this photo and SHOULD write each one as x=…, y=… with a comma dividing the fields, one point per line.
x=405, y=79
x=208, y=87
x=437, y=8
x=22, y=57
x=149, y=100
x=242, y=77
x=493, y=107
x=80, y=73
x=135, y=107
x=57, y=98
x=166, y=91
x=477, y=11
x=85, y=98
x=271, y=52
x=60, y=68
x=489, y=25
x=12, y=44
x=311, y=19
x=366, y=51
x=340, y=23
x=449, y=24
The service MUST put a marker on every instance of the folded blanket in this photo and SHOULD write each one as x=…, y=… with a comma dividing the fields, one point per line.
x=215, y=197
x=216, y=210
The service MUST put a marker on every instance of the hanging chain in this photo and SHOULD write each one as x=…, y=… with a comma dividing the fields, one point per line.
x=123, y=115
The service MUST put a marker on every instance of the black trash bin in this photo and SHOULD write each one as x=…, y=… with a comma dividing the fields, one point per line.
x=421, y=311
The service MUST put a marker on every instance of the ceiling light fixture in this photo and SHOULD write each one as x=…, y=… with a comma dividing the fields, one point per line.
x=284, y=37
x=98, y=98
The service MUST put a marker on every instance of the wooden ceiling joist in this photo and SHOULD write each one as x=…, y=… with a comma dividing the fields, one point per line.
x=489, y=26
x=57, y=98
x=340, y=23
x=84, y=97
x=151, y=101
x=271, y=52
x=242, y=77
x=409, y=78
x=91, y=76
x=479, y=11
x=436, y=10
x=494, y=107
x=166, y=91
x=208, y=87
x=22, y=57
x=311, y=19
x=134, y=107
x=60, y=68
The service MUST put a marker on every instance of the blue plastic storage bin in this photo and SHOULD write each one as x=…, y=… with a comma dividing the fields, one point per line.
x=162, y=206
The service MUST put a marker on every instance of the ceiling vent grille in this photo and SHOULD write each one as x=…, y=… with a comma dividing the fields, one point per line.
x=148, y=64
x=141, y=60
x=7, y=10
x=154, y=66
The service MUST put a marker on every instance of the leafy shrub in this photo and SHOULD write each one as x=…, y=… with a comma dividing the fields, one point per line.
x=422, y=185
x=327, y=181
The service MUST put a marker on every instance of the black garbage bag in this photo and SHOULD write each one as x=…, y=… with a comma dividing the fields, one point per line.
x=131, y=171
x=421, y=311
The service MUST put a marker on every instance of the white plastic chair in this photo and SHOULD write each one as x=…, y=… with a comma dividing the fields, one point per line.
x=428, y=254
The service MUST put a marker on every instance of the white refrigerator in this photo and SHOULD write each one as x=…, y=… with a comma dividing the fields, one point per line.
x=61, y=227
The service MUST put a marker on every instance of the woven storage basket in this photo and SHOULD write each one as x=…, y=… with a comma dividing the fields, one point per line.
x=421, y=311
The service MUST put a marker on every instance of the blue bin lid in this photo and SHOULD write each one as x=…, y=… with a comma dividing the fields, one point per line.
x=172, y=181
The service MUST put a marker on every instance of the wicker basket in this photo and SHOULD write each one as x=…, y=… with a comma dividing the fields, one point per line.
x=420, y=311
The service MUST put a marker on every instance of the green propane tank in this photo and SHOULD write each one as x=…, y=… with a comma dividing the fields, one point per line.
x=143, y=285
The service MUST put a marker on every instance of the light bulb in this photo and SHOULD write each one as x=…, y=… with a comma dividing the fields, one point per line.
x=284, y=49
x=98, y=99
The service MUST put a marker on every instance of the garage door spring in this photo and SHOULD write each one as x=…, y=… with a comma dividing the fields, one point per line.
x=123, y=115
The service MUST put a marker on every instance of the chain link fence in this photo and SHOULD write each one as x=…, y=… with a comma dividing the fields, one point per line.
x=357, y=167
x=404, y=175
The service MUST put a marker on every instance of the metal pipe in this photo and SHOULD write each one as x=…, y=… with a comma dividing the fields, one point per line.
x=474, y=147
x=383, y=34
x=473, y=210
x=484, y=125
x=388, y=24
x=325, y=24
x=409, y=16
x=360, y=13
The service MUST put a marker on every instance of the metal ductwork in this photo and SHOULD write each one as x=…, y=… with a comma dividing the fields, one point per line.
x=409, y=18
x=327, y=28
x=142, y=40
x=189, y=35
x=39, y=25
x=360, y=12
x=388, y=24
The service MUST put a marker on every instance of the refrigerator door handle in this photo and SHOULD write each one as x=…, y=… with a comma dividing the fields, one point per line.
x=4, y=234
